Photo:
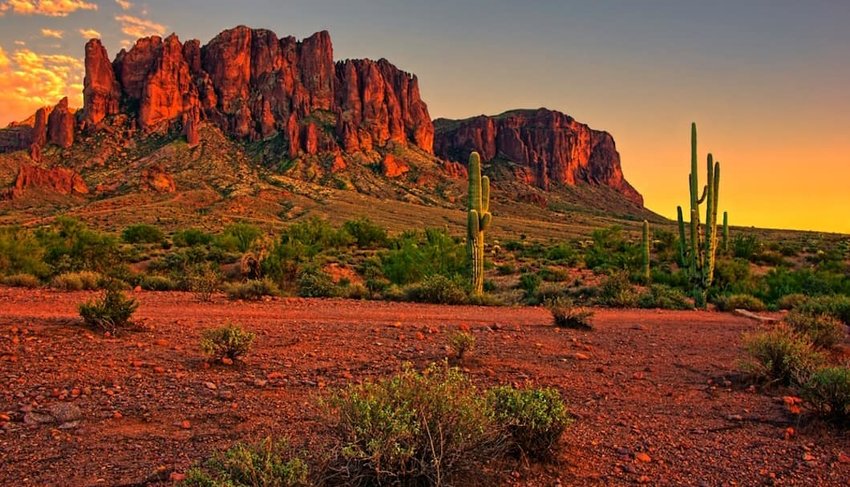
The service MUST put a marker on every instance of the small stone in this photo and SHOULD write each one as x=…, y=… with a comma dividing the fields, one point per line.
x=117, y=415
x=808, y=457
x=843, y=457
x=5, y=418
x=177, y=477
x=582, y=356
x=185, y=424
x=227, y=361
x=643, y=457
x=210, y=385
x=260, y=382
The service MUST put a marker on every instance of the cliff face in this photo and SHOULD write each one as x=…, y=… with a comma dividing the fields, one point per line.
x=253, y=85
x=548, y=146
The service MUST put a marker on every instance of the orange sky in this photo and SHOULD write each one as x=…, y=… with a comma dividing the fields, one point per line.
x=765, y=80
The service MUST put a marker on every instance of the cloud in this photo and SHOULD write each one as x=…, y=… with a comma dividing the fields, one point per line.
x=124, y=4
x=89, y=34
x=50, y=8
x=56, y=34
x=136, y=27
x=20, y=43
x=31, y=80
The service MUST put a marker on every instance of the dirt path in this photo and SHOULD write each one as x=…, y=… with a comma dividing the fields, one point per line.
x=660, y=383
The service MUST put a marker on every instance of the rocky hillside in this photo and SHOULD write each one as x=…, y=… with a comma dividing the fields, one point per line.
x=249, y=113
x=541, y=147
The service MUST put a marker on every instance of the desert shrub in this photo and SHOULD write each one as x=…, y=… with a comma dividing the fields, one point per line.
x=744, y=246
x=315, y=283
x=269, y=463
x=530, y=283
x=739, y=301
x=157, y=283
x=142, y=234
x=554, y=274
x=733, y=276
x=791, y=301
x=828, y=391
x=416, y=255
x=563, y=253
x=612, y=251
x=204, y=281
x=664, y=297
x=506, y=269
x=437, y=289
x=77, y=281
x=616, y=291
x=71, y=246
x=21, y=253
x=835, y=306
x=299, y=244
x=191, y=237
x=534, y=418
x=823, y=330
x=21, y=280
x=228, y=341
x=780, y=355
x=415, y=428
x=567, y=315
x=462, y=343
x=356, y=291
x=781, y=282
x=111, y=312
x=252, y=290
x=366, y=233
x=237, y=237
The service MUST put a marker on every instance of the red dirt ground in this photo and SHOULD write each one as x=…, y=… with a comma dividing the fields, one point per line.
x=660, y=383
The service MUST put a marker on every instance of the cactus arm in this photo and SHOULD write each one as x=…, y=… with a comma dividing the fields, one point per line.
x=478, y=220
x=693, y=178
x=725, y=232
x=472, y=224
x=701, y=199
x=682, y=243
x=474, y=182
x=485, y=194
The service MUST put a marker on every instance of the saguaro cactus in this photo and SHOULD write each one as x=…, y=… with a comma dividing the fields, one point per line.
x=478, y=220
x=646, y=272
x=697, y=254
x=725, y=232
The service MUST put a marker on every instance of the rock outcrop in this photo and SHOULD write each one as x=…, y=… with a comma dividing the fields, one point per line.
x=60, y=125
x=58, y=180
x=548, y=147
x=253, y=85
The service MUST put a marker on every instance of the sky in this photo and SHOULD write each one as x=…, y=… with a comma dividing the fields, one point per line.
x=766, y=81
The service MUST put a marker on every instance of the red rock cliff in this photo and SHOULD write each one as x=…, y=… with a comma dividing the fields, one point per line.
x=551, y=146
x=254, y=85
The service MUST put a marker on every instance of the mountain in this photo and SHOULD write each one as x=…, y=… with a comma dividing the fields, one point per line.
x=543, y=147
x=253, y=117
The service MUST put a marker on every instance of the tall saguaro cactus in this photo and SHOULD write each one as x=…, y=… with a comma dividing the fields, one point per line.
x=645, y=245
x=725, y=232
x=477, y=221
x=698, y=253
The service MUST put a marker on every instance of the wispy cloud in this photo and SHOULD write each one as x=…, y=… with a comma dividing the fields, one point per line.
x=31, y=80
x=137, y=27
x=90, y=34
x=124, y=4
x=50, y=8
x=56, y=34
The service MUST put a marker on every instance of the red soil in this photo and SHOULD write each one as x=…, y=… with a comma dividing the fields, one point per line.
x=655, y=393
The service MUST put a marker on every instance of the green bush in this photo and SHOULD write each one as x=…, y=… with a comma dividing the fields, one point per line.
x=617, y=292
x=612, y=251
x=142, y=234
x=835, y=306
x=252, y=290
x=191, y=237
x=823, y=330
x=462, y=343
x=299, y=244
x=415, y=428
x=780, y=355
x=745, y=246
x=77, y=281
x=828, y=391
x=157, y=283
x=21, y=280
x=437, y=289
x=270, y=463
x=567, y=315
x=530, y=283
x=228, y=341
x=739, y=301
x=416, y=255
x=563, y=253
x=110, y=313
x=21, y=253
x=315, y=283
x=238, y=237
x=366, y=233
x=204, y=281
x=791, y=301
x=71, y=246
x=664, y=297
x=534, y=418
x=780, y=282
